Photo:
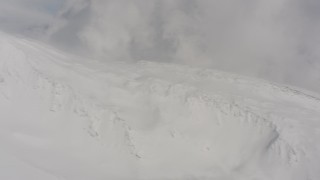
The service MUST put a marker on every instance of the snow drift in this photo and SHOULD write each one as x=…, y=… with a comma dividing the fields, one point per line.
x=63, y=117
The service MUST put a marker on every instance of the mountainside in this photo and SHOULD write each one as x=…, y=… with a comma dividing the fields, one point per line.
x=63, y=117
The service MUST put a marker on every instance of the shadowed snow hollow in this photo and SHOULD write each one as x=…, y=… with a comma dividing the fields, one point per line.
x=67, y=118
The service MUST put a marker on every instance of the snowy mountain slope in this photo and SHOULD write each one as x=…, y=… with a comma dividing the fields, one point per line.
x=67, y=118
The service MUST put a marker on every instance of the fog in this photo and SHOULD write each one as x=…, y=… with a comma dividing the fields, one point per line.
x=278, y=40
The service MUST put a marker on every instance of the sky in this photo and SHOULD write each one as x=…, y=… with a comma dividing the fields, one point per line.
x=278, y=40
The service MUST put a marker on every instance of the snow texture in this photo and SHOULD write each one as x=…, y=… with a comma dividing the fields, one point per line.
x=66, y=118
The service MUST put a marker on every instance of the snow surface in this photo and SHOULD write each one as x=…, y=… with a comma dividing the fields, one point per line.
x=66, y=118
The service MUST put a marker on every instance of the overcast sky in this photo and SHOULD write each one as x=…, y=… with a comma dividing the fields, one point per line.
x=274, y=39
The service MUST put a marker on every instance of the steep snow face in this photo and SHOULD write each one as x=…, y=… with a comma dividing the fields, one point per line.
x=62, y=117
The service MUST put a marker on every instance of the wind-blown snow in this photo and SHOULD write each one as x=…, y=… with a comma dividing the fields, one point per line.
x=67, y=118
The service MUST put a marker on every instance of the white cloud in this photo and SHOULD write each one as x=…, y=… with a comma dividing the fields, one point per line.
x=273, y=39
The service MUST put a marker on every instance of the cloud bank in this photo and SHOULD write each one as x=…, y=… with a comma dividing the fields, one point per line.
x=30, y=17
x=276, y=39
